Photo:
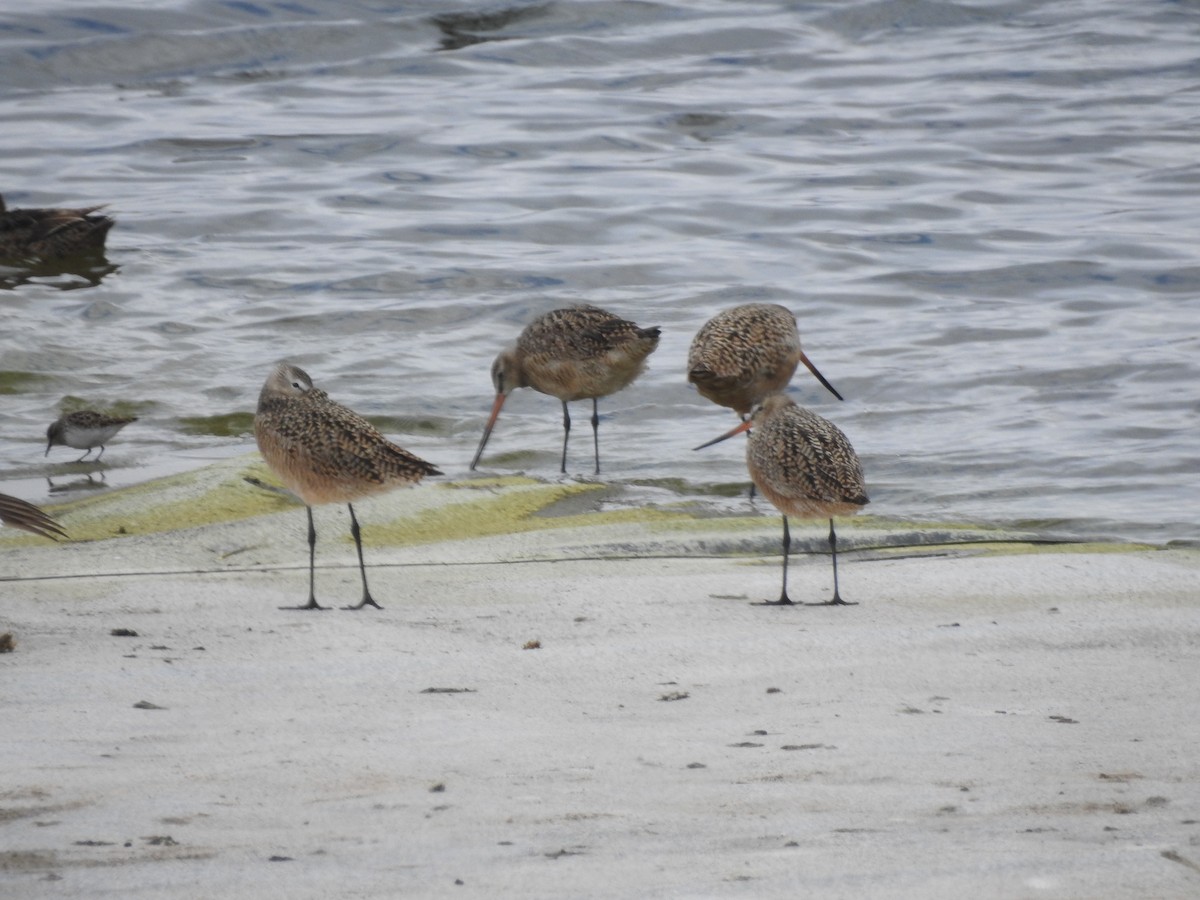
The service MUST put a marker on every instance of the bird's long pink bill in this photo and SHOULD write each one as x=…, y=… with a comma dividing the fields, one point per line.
x=821, y=378
x=487, y=429
x=745, y=426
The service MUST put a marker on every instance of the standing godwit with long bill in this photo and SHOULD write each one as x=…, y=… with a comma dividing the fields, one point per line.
x=806, y=467
x=326, y=453
x=577, y=353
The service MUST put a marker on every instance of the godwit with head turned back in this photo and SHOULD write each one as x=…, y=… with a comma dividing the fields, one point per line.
x=579, y=353
x=51, y=233
x=805, y=466
x=17, y=513
x=744, y=353
x=85, y=429
x=326, y=453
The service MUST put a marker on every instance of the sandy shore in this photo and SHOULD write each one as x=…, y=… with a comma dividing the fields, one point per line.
x=577, y=701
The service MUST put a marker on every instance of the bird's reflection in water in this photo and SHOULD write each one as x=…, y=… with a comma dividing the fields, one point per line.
x=85, y=270
x=90, y=481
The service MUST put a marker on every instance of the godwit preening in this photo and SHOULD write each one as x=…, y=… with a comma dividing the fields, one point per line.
x=744, y=353
x=17, y=513
x=805, y=466
x=326, y=453
x=85, y=429
x=579, y=353
x=51, y=233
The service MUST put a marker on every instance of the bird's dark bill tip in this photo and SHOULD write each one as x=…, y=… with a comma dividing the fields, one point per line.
x=821, y=378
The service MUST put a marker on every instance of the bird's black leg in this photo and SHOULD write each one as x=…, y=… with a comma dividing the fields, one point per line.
x=312, y=557
x=367, y=599
x=566, y=435
x=837, y=598
x=752, y=484
x=596, y=431
x=784, y=599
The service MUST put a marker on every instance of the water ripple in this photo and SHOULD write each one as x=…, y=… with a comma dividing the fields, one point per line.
x=981, y=214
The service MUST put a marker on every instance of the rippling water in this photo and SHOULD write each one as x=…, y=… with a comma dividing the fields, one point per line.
x=983, y=215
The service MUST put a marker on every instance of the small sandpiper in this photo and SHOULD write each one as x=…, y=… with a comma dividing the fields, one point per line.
x=85, y=429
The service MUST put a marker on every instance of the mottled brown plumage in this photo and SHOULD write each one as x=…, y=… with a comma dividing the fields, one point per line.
x=326, y=453
x=805, y=466
x=577, y=353
x=17, y=513
x=49, y=234
x=744, y=353
x=85, y=429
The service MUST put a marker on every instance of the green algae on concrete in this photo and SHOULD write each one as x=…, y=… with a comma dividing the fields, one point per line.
x=221, y=492
x=446, y=511
x=505, y=505
x=214, y=494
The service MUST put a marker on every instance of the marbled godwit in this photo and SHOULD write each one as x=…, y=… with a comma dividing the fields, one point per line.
x=326, y=453
x=17, y=513
x=51, y=233
x=579, y=353
x=85, y=429
x=805, y=466
x=744, y=353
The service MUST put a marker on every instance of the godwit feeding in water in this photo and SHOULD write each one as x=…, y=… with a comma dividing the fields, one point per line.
x=85, y=429
x=744, y=353
x=16, y=513
x=579, y=353
x=326, y=453
x=51, y=233
x=806, y=467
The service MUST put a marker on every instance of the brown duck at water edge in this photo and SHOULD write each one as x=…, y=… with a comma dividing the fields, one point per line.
x=806, y=467
x=744, y=353
x=578, y=353
x=17, y=513
x=49, y=234
x=326, y=453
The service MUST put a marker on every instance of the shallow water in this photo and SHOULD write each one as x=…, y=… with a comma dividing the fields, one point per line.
x=983, y=215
